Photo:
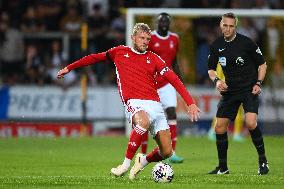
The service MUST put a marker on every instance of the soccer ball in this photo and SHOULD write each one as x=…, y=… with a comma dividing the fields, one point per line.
x=162, y=172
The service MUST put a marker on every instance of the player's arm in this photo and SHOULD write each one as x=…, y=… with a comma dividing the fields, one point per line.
x=220, y=85
x=261, y=64
x=173, y=79
x=85, y=61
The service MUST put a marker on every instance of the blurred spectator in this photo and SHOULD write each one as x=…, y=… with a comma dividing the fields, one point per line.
x=202, y=59
x=277, y=76
x=273, y=38
x=11, y=51
x=246, y=28
x=98, y=25
x=171, y=4
x=56, y=59
x=71, y=21
x=31, y=22
x=51, y=12
x=117, y=26
x=15, y=9
x=34, y=73
x=103, y=4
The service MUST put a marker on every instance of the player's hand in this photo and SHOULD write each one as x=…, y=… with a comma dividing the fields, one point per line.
x=256, y=90
x=62, y=72
x=194, y=112
x=221, y=86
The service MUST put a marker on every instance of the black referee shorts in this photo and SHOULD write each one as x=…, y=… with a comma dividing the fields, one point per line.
x=229, y=104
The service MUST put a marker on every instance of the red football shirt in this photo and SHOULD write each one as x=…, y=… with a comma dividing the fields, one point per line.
x=167, y=48
x=136, y=73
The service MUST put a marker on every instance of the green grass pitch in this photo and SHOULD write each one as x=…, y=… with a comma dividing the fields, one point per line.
x=86, y=163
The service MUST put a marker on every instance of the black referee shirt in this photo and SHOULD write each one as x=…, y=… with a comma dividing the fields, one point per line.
x=239, y=59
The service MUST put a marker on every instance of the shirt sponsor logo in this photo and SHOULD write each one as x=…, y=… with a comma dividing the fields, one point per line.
x=126, y=55
x=222, y=61
x=220, y=50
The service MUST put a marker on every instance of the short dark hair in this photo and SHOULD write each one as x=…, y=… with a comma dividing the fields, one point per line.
x=163, y=14
x=230, y=15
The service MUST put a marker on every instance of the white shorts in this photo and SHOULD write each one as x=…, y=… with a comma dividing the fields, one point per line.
x=168, y=96
x=157, y=118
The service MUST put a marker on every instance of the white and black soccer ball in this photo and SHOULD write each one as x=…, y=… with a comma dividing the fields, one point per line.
x=162, y=172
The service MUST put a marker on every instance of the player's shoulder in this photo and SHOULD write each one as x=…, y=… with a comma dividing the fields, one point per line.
x=120, y=48
x=174, y=35
x=244, y=39
x=154, y=55
x=219, y=41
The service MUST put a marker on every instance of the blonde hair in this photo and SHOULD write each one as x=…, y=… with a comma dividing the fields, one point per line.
x=141, y=27
x=230, y=15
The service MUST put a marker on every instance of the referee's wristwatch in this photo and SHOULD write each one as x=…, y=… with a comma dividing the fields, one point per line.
x=259, y=83
x=215, y=80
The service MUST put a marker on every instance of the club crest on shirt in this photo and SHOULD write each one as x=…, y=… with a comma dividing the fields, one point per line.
x=157, y=45
x=148, y=60
x=240, y=61
x=172, y=44
x=222, y=61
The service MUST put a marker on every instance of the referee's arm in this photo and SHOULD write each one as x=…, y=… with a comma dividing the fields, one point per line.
x=261, y=72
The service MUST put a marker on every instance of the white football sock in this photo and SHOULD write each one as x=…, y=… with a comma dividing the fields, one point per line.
x=126, y=163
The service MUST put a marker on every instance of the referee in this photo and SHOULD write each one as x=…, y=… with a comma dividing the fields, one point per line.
x=244, y=68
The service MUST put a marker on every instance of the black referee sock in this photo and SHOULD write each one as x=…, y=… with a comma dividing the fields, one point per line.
x=257, y=140
x=222, y=147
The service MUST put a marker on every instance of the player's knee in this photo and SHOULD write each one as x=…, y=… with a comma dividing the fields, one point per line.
x=141, y=118
x=251, y=124
x=171, y=113
x=220, y=129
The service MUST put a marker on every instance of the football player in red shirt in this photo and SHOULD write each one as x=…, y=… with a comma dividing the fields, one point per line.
x=165, y=44
x=136, y=69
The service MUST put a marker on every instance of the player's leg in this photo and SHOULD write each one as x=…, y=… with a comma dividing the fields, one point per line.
x=172, y=121
x=211, y=133
x=238, y=125
x=251, y=108
x=161, y=132
x=163, y=151
x=144, y=143
x=227, y=110
x=140, y=123
x=222, y=145
x=168, y=99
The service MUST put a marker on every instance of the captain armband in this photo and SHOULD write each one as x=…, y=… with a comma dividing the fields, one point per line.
x=164, y=70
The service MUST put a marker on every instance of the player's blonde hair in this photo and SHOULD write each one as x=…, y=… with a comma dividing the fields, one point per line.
x=230, y=15
x=141, y=27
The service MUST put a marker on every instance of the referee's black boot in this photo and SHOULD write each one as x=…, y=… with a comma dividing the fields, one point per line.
x=263, y=168
x=219, y=171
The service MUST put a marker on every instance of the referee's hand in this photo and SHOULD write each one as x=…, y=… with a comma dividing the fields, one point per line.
x=256, y=90
x=221, y=86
